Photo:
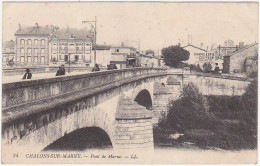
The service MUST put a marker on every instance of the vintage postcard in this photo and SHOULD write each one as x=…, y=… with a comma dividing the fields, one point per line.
x=129, y=82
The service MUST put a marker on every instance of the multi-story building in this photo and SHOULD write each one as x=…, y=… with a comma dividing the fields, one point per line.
x=123, y=56
x=8, y=53
x=32, y=45
x=70, y=45
x=200, y=56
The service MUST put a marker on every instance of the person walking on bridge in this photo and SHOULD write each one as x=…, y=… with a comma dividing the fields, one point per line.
x=60, y=72
x=95, y=68
x=27, y=75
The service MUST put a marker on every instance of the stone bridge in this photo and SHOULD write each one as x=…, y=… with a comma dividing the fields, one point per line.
x=123, y=103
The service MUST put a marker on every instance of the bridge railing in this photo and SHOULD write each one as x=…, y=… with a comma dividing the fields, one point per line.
x=24, y=92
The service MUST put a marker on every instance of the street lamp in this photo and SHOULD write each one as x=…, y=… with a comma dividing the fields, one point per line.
x=69, y=62
x=95, y=33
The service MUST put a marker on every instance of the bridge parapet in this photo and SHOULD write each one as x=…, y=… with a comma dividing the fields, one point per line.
x=31, y=92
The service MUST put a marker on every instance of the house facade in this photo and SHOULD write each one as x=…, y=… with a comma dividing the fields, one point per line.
x=32, y=45
x=242, y=61
x=8, y=53
x=199, y=56
x=70, y=45
x=103, y=55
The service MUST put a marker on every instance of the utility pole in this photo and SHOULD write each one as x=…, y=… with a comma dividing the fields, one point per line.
x=95, y=33
x=95, y=56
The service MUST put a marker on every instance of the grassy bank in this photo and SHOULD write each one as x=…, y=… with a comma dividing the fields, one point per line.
x=226, y=122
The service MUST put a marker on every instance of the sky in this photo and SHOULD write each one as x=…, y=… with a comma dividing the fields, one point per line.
x=154, y=24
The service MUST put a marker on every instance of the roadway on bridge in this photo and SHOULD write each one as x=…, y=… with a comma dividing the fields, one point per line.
x=19, y=78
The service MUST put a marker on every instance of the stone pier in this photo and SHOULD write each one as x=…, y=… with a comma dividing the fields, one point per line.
x=162, y=94
x=133, y=129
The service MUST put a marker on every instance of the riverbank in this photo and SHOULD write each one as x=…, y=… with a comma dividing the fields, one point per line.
x=210, y=122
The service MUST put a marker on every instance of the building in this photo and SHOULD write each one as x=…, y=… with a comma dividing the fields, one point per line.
x=8, y=53
x=242, y=61
x=199, y=56
x=71, y=45
x=226, y=49
x=103, y=55
x=123, y=56
x=32, y=45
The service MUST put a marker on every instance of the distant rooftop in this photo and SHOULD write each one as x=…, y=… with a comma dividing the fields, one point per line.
x=68, y=33
x=33, y=30
x=190, y=45
x=102, y=47
x=8, y=44
x=244, y=48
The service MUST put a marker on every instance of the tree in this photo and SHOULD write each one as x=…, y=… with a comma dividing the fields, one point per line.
x=207, y=67
x=149, y=52
x=174, y=55
x=189, y=112
x=199, y=68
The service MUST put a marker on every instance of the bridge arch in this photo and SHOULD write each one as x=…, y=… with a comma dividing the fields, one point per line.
x=82, y=139
x=144, y=98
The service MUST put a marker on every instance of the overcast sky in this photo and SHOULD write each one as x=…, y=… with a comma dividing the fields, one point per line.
x=156, y=25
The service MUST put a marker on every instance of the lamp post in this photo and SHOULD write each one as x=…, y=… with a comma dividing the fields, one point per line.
x=69, y=62
x=95, y=33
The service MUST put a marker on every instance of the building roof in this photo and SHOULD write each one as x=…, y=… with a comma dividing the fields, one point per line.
x=102, y=47
x=33, y=30
x=189, y=45
x=8, y=44
x=123, y=47
x=68, y=33
x=242, y=49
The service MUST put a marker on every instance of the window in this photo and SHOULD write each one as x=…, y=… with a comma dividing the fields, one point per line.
x=42, y=59
x=66, y=57
x=36, y=59
x=29, y=51
x=22, y=52
x=42, y=51
x=29, y=42
x=22, y=41
x=35, y=51
x=117, y=50
x=22, y=59
x=76, y=57
x=35, y=42
x=29, y=59
x=43, y=42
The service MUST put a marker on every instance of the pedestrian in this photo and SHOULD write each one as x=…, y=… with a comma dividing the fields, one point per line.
x=95, y=68
x=28, y=74
x=60, y=71
x=114, y=66
x=63, y=69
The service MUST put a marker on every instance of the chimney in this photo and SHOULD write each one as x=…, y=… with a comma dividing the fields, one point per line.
x=105, y=43
x=19, y=27
x=36, y=26
x=122, y=44
x=68, y=29
x=201, y=45
x=179, y=44
x=241, y=45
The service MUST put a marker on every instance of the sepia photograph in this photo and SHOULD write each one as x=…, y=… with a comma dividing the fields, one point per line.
x=128, y=82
